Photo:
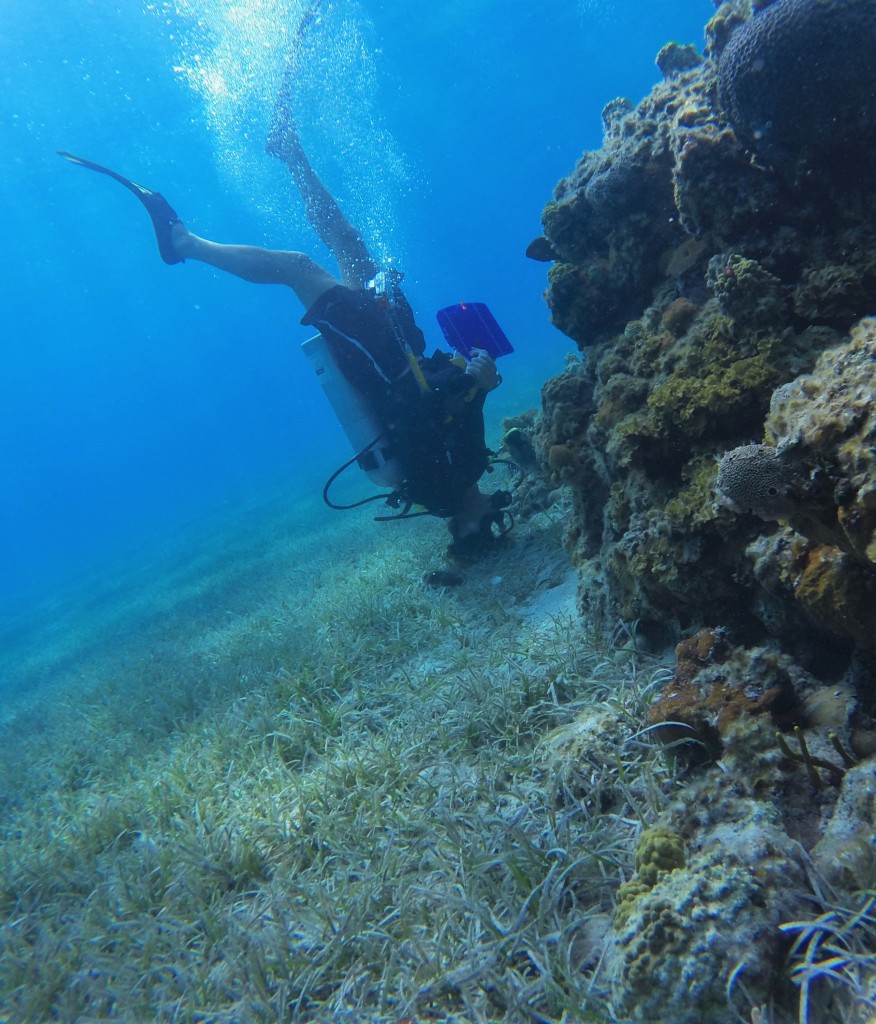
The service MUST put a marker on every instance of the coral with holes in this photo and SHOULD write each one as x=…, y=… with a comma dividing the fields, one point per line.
x=756, y=478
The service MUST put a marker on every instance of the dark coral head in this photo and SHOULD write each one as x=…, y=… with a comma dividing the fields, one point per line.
x=797, y=82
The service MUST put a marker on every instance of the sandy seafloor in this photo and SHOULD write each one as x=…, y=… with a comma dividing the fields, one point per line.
x=265, y=772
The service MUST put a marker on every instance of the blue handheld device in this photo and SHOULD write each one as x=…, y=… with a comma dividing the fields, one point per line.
x=470, y=325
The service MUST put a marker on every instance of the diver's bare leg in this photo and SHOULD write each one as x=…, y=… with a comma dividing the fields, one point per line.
x=356, y=264
x=261, y=266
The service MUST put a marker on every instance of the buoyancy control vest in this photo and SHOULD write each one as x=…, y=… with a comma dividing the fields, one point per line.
x=415, y=422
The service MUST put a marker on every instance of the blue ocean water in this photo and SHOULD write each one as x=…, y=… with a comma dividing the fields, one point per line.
x=136, y=396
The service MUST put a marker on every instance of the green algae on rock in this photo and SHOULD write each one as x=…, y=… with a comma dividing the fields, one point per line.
x=697, y=282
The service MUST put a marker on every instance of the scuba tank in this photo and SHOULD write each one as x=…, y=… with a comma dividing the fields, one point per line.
x=364, y=431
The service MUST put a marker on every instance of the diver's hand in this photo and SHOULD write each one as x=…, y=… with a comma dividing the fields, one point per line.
x=482, y=370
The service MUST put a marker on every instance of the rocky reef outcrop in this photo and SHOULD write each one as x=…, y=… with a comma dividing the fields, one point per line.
x=715, y=263
x=700, y=267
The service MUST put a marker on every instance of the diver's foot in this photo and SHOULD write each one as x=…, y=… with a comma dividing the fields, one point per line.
x=161, y=213
x=283, y=141
x=467, y=519
x=182, y=242
x=480, y=526
x=164, y=219
x=473, y=547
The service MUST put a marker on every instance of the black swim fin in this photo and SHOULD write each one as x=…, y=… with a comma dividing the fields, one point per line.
x=162, y=214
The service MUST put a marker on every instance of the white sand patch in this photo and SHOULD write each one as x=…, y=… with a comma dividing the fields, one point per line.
x=554, y=597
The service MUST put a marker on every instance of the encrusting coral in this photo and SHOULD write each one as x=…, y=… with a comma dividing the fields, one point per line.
x=699, y=281
x=658, y=850
x=715, y=262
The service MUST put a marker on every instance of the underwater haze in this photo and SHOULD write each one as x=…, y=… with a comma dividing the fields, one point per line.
x=137, y=397
x=265, y=761
x=604, y=752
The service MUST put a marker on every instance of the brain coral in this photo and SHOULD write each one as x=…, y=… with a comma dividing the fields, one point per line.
x=798, y=80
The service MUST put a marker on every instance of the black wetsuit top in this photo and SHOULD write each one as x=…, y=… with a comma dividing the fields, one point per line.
x=437, y=436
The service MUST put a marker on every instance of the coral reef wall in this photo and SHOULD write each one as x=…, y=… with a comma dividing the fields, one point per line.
x=719, y=246
x=715, y=262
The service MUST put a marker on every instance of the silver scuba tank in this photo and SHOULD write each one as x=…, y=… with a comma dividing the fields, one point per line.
x=364, y=430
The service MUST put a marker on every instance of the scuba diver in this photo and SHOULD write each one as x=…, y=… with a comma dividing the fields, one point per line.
x=430, y=409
